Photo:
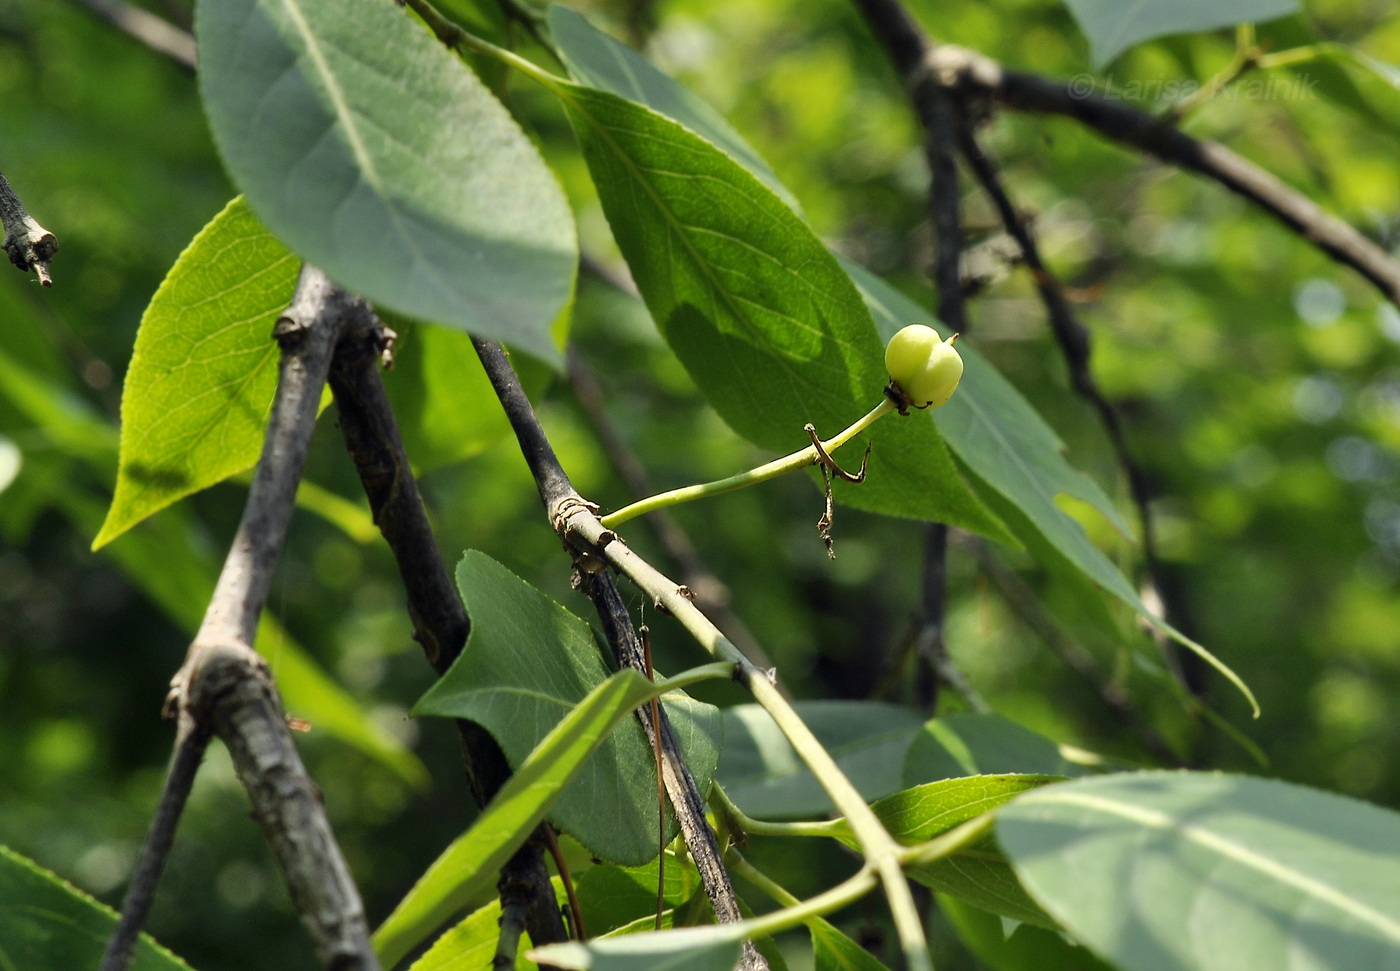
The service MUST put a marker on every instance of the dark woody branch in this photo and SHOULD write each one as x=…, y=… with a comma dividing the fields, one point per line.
x=225, y=688
x=973, y=78
x=29, y=245
x=440, y=622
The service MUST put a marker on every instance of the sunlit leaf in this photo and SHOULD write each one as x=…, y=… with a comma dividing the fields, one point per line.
x=685, y=949
x=1020, y=947
x=1169, y=871
x=202, y=376
x=374, y=153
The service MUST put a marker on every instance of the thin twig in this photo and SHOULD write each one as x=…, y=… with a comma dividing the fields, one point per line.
x=558, y=495
x=440, y=622
x=225, y=687
x=975, y=77
x=29, y=245
x=191, y=740
x=156, y=33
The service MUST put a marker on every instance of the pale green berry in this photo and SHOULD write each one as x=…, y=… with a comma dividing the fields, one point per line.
x=924, y=367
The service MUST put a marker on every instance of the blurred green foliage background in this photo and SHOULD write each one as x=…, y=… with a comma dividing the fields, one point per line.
x=1260, y=384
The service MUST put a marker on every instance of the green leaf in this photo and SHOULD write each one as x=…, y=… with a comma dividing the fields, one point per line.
x=764, y=777
x=527, y=662
x=204, y=371
x=595, y=59
x=1008, y=447
x=613, y=896
x=374, y=153
x=1113, y=26
x=685, y=949
x=471, y=944
x=471, y=863
x=974, y=744
x=1169, y=871
x=757, y=310
x=978, y=874
x=834, y=951
x=1023, y=948
x=49, y=925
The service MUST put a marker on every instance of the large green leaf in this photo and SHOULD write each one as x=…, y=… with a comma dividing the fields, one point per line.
x=374, y=153
x=202, y=376
x=754, y=306
x=1169, y=871
x=595, y=59
x=1008, y=447
x=527, y=662
x=1113, y=26
x=762, y=773
x=49, y=925
x=975, y=744
x=471, y=863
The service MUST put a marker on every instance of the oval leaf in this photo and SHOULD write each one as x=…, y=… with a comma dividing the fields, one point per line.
x=47, y=923
x=527, y=662
x=378, y=156
x=1170, y=871
x=202, y=376
x=755, y=307
x=1113, y=26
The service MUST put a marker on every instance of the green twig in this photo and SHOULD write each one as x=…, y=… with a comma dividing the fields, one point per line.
x=724, y=807
x=770, y=470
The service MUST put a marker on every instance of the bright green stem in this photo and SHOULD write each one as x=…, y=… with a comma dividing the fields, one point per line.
x=457, y=38
x=1297, y=55
x=883, y=855
x=800, y=912
x=771, y=470
x=957, y=838
x=724, y=806
x=776, y=891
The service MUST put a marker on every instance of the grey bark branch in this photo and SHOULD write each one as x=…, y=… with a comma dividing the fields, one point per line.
x=559, y=497
x=159, y=35
x=29, y=245
x=225, y=687
x=440, y=622
x=973, y=77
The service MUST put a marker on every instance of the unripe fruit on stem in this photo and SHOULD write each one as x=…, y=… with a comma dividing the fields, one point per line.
x=926, y=369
